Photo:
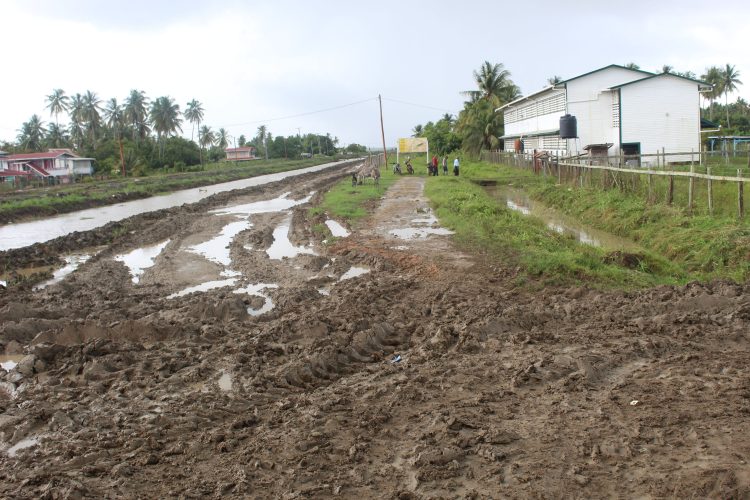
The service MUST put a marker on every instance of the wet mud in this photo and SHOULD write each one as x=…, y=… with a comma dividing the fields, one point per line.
x=431, y=375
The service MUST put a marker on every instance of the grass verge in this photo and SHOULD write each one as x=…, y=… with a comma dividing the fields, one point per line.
x=350, y=203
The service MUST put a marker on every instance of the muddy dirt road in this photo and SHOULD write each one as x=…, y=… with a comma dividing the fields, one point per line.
x=388, y=365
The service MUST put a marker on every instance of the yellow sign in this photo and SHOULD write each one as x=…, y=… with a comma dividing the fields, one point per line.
x=412, y=145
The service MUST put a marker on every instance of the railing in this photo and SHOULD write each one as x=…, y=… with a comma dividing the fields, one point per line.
x=648, y=174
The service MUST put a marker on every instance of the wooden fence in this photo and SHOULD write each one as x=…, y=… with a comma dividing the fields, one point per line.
x=646, y=174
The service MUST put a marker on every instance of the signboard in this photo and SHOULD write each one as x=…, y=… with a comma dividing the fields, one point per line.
x=413, y=145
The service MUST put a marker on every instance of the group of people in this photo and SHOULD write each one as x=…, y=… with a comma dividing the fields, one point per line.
x=432, y=166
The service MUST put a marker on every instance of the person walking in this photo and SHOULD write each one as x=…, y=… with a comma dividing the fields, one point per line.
x=445, y=165
x=434, y=165
x=455, y=166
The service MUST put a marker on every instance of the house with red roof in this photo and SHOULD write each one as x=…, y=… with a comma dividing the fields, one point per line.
x=54, y=165
x=240, y=154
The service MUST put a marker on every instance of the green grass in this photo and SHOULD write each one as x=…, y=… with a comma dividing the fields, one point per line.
x=483, y=224
x=679, y=246
x=347, y=202
x=41, y=201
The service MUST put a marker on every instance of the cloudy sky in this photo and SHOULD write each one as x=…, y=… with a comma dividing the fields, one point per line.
x=280, y=62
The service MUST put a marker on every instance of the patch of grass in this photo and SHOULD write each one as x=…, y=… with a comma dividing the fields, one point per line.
x=348, y=202
x=484, y=224
x=679, y=246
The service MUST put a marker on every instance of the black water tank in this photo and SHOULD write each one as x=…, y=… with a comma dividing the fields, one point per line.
x=568, y=127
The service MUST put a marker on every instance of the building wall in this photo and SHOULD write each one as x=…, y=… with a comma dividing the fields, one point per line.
x=591, y=102
x=661, y=113
x=542, y=112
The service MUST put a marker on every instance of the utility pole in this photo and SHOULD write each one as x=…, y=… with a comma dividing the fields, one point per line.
x=382, y=130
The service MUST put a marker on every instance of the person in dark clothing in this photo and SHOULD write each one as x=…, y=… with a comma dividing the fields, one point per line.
x=455, y=167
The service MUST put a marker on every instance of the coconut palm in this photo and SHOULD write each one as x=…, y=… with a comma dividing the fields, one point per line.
x=448, y=118
x=57, y=137
x=165, y=118
x=667, y=69
x=75, y=109
x=206, y=137
x=554, y=80
x=136, y=114
x=713, y=76
x=417, y=130
x=730, y=78
x=222, y=138
x=261, y=139
x=31, y=135
x=57, y=102
x=194, y=114
x=632, y=65
x=114, y=117
x=91, y=115
x=494, y=84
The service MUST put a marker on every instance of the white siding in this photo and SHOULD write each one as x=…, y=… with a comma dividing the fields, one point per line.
x=590, y=101
x=542, y=112
x=661, y=113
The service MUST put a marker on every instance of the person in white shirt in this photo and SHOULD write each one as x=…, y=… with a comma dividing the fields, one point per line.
x=455, y=166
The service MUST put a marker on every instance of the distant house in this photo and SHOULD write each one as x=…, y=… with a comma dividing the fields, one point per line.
x=56, y=165
x=240, y=154
x=617, y=110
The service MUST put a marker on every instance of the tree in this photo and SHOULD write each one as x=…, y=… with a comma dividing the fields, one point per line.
x=57, y=102
x=416, y=131
x=261, y=139
x=667, y=68
x=207, y=137
x=713, y=75
x=222, y=138
x=632, y=65
x=77, y=119
x=554, y=80
x=114, y=117
x=241, y=140
x=493, y=83
x=165, y=118
x=194, y=114
x=730, y=78
x=91, y=116
x=56, y=137
x=136, y=114
x=31, y=134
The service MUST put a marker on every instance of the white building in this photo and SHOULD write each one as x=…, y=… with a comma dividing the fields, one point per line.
x=617, y=110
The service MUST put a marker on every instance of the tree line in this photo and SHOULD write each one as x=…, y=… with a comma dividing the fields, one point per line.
x=140, y=134
x=479, y=127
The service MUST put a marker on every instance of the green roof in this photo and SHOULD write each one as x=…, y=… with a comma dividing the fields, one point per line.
x=700, y=82
x=602, y=69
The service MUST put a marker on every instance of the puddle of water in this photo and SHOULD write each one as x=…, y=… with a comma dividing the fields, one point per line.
x=141, y=259
x=282, y=247
x=21, y=445
x=353, y=272
x=9, y=361
x=27, y=233
x=3, y=283
x=225, y=382
x=217, y=249
x=337, y=229
x=72, y=262
x=324, y=291
x=560, y=223
x=257, y=290
x=408, y=233
x=204, y=287
x=279, y=204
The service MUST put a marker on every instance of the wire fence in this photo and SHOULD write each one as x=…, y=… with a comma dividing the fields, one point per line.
x=702, y=183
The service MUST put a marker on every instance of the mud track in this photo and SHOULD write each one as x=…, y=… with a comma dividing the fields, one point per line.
x=499, y=392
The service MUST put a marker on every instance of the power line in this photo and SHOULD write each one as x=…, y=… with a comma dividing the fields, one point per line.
x=417, y=105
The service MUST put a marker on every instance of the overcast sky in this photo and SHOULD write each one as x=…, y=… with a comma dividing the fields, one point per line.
x=256, y=62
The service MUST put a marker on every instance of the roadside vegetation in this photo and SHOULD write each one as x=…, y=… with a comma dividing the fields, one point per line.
x=676, y=247
x=40, y=202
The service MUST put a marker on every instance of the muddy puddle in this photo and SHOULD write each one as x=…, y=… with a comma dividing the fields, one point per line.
x=9, y=361
x=141, y=259
x=282, y=247
x=517, y=200
x=353, y=272
x=28, y=233
x=337, y=230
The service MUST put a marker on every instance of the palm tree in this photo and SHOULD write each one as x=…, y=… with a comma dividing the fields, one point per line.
x=632, y=65
x=206, y=137
x=261, y=139
x=165, y=118
x=56, y=137
x=222, y=138
x=57, y=102
x=494, y=84
x=730, y=78
x=417, y=130
x=31, y=134
x=713, y=75
x=91, y=109
x=667, y=68
x=554, y=80
x=194, y=114
x=77, y=119
x=114, y=117
x=136, y=114
x=448, y=118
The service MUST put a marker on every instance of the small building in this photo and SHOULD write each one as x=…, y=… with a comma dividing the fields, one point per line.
x=625, y=111
x=242, y=153
x=56, y=165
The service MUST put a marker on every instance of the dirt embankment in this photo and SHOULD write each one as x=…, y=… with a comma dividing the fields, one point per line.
x=430, y=376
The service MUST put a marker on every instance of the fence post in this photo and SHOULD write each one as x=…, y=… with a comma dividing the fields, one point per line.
x=650, y=188
x=691, y=184
x=670, y=191
x=710, y=192
x=740, y=198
